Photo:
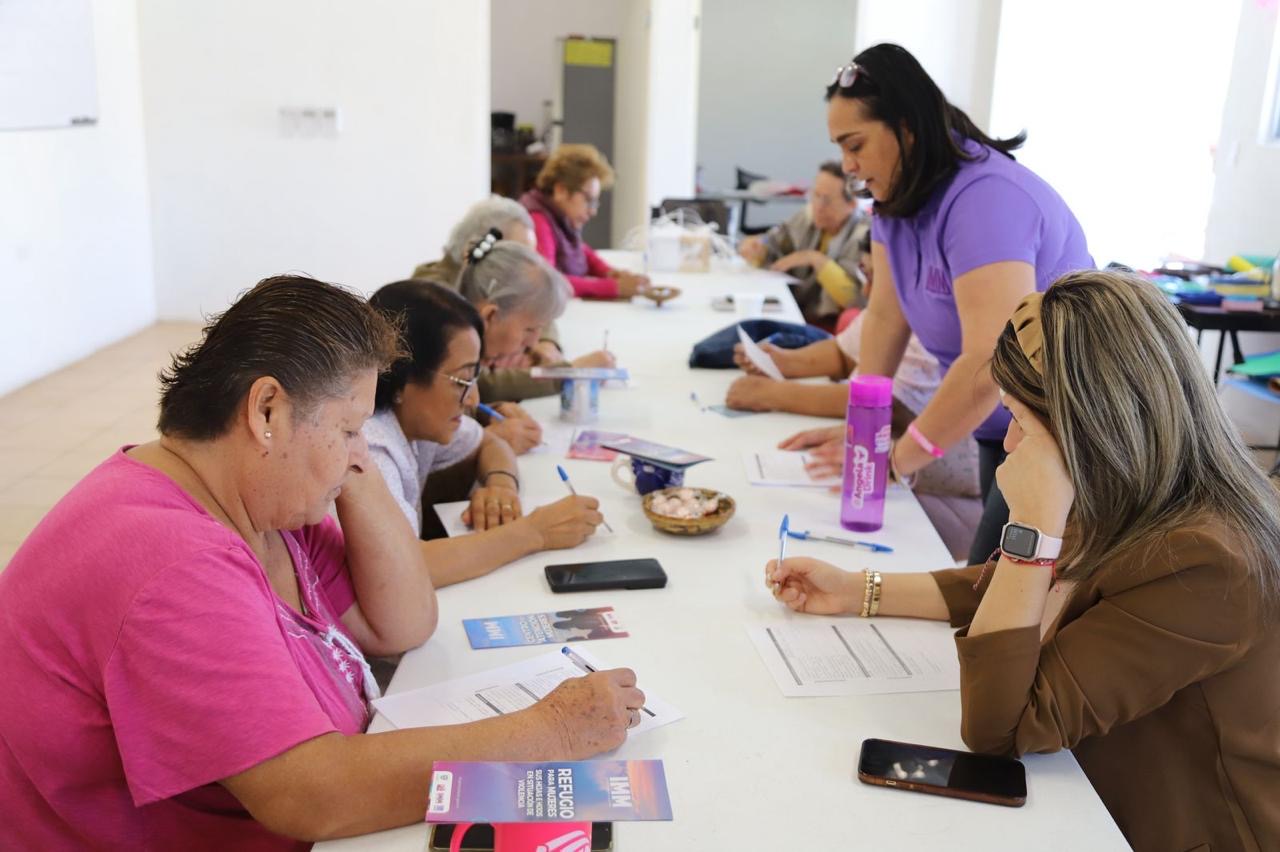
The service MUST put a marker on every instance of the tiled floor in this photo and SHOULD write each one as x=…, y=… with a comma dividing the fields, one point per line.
x=57, y=429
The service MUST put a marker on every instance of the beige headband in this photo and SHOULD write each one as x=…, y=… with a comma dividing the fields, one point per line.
x=1026, y=325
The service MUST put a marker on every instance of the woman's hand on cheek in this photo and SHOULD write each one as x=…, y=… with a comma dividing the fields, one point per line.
x=1034, y=478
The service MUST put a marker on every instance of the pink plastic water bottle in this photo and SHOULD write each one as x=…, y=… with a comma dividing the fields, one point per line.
x=866, y=453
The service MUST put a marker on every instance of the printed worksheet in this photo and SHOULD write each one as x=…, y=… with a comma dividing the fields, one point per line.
x=858, y=656
x=782, y=468
x=503, y=690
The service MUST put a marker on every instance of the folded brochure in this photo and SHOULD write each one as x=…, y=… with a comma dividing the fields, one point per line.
x=556, y=791
x=543, y=628
x=597, y=373
x=659, y=454
x=589, y=444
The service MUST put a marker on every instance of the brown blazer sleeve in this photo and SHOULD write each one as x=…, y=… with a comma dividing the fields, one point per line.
x=1121, y=658
x=957, y=587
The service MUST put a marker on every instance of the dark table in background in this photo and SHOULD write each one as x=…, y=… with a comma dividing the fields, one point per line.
x=1228, y=324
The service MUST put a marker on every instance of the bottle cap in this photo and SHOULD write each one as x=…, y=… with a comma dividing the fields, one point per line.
x=871, y=391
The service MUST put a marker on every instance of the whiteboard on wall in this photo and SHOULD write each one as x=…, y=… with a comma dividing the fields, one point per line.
x=47, y=64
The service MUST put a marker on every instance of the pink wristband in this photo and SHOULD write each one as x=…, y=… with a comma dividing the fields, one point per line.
x=925, y=444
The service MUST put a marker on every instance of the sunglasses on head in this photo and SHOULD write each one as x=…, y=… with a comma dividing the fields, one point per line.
x=847, y=75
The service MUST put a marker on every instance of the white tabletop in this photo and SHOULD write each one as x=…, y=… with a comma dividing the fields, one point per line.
x=748, y=768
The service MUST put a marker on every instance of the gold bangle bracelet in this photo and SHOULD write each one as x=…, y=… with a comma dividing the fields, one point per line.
x=866, y=595
x=876, y=581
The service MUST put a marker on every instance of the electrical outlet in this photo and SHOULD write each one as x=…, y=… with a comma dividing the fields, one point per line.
x=309, y=122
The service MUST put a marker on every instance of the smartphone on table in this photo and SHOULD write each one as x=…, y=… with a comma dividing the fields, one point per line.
x=616, y=574
x=943, y=772
x=480, y=837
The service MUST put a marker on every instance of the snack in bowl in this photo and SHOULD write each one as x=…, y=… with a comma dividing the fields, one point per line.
x=688, y=511
x=660, y=293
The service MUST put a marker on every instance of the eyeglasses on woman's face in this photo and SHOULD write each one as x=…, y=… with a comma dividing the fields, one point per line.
x=465, y=384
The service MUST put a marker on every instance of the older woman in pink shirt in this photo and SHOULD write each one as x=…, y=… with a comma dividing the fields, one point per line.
x=185, y=632
x=564, y=199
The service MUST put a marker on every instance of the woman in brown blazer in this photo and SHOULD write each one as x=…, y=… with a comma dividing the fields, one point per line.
x=1149, y=645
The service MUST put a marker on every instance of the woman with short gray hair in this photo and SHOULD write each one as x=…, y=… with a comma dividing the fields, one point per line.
x=508, y=378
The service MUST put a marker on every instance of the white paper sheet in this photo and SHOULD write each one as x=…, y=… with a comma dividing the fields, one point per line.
x=503, y=690
x=858, y=656
x=450, y=515
x=759, y=357
x=782, y=467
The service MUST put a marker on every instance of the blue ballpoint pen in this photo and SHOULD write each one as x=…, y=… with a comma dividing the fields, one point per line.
x=848, y=542
x=784, y=529
x=493, y=413
x=565, y=477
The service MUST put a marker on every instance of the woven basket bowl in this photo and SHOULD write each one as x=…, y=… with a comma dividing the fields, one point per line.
x=690, y=526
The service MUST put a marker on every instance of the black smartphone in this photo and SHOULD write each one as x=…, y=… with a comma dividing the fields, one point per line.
x=943, y=772
x=480, y=837
x=618, y=574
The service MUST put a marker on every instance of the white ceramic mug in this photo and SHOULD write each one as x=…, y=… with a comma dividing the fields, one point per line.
x=749, y=305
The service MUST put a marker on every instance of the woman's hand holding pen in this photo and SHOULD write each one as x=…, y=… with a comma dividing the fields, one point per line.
x=592, y=713
x=566, y=523
x=813, y=586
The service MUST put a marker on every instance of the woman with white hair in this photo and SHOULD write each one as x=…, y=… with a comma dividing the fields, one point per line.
x=508, y=378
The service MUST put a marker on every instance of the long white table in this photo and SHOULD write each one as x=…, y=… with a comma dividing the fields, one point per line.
x=748, y=768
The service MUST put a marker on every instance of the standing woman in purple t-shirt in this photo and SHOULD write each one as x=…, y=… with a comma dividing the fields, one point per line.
x=961, y=232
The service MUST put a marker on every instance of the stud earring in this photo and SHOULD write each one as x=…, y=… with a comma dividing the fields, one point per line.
x=267, y=433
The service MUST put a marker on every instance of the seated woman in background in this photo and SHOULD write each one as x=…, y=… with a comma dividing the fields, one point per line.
x=564, y=199
x=509, y=379
x=948, y=491
x=820, y=245
x=188, y=628
x=1131, y=612
x=420, y=428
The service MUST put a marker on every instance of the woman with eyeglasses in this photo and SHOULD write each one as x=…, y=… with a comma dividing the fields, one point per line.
x=960, y=233
x=820, y=246
x=420, y=427
x=564, y=199
x=518, y=295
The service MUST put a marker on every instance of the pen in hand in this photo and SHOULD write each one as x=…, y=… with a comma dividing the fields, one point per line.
x=493, y=413
x=565, y=478
x=590, y=669
x=783, y=529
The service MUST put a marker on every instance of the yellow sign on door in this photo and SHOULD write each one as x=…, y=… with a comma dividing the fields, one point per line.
x=583, y=51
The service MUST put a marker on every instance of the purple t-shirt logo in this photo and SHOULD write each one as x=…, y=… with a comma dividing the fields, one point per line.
x=937, y=282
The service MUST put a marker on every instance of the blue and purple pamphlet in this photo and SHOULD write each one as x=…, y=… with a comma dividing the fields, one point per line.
x=557, y=791
x=543, y=628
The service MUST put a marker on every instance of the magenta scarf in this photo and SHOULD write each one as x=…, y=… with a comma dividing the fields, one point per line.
x=570, y=257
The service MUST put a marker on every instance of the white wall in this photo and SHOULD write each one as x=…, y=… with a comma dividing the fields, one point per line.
x=1123, y=118
x=955, y=41
x=75, y=244
x=631, y=123
x=234, y=201
x=760, y=89
x=1245, y=212
x=526, y=62
x=673, y=98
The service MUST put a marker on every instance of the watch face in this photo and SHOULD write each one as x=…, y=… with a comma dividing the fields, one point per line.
x=1020, y=541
